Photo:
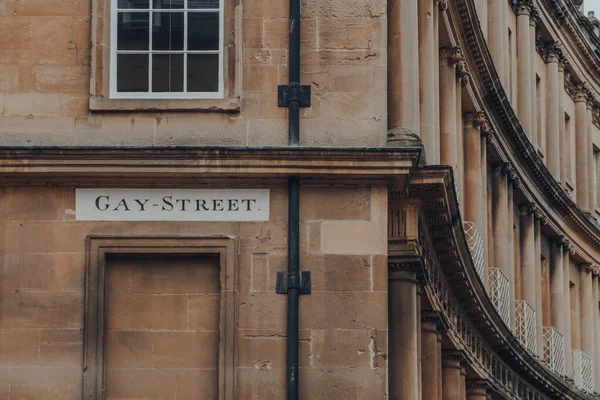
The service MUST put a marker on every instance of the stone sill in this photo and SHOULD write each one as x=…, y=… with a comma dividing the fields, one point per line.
x=228, y=105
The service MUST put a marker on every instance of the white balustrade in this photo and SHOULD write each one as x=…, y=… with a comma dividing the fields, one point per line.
x=499, y=292
x=525, y=324
x=475, y=244
x=554, y=350
x=583, y=371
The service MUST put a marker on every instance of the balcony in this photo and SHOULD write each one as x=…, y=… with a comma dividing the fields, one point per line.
x=499, y=292
x=475, y=243
x=554, y=350
x=525, y=325
x=583, y=371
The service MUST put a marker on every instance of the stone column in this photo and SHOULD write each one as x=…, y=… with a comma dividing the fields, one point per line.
x=581, y=149
x=496, y=33
x=448, y=135
x=553, y=114
x=590, y=160
x=562, y=129
x=473, y=188
x=403, y=332
x=442, y=6
x=451, y=378
x=524, y=68
x=500, y=221
x=426, y=79
x=487, y=138
x=477, y=389
x=533, y=17
x=527, y=244
x=430, y=355
x=586, y=302
x=567, y=307
x=463, y=382
x=557, y=286
x=403, y=67
x=511, y=244
x=596, y=328
x=539, y=328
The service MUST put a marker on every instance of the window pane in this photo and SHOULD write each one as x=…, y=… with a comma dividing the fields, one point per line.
x=167, y=73
x=132, y=30
x=203, y=31
x=132, y=72
x=203, y=73
x=203, y=3
x=167, y=31
x=144, y=4
x=168, y=4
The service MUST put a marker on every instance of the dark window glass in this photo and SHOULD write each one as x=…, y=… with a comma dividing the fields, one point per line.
x=203, y=3
x=203, y=73
x=132, y=30
x=144, y=4
x=167, y=31
x=203, y=31
x=167, y=73
x=132, y=72
x=168, y=4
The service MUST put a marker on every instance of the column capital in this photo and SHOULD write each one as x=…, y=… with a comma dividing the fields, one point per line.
x=534, y=14
x=595, y=270
x=586, y=267
x=442, y=5
x=540, y=216
x=404, y=271
x=528, y=209
x=462, y=72
x=452, y=359
x=502, y=168
x=474, y=118
x=552, y=52
x=430, y=321
x=523, y=7
x=596, y=116
x=451, y=54
x=477, y=387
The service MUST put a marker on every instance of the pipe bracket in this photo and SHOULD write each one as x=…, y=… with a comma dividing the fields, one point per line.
x=293, y=92
x=287, y=281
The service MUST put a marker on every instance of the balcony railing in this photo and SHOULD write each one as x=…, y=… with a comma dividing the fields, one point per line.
x=499, y=291
x=525, y=324
x=475, y=243
x=582, y=371
x=554, y=350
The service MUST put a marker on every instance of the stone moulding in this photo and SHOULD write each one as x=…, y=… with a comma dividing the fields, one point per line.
x=500, y=111
x=171, y=166
x=457, y=293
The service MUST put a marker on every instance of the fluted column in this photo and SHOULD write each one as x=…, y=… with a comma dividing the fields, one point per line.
x=567, y=307
x=404, y=330
x=477, y=389
x=463, y=382
x=557, y=286
x=524, y=68
x=430, y=355
x=586, y=302
x=500, y=221
x=562, y=128
x=485, y=130
x=426, y=78
x=590, y=159
x=496, y=32
x=442, y=6
x=581, y=149
x=449, y=57
x=513, y=183
x=451, y=377
x=533, y=17
x=527, y=244
x=473, y=188
x=539, y=317
x=403, y=67
x=595, y=290
x=553, y=138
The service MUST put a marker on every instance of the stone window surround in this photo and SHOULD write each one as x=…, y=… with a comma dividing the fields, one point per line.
x=98, y=247
x=100, y=68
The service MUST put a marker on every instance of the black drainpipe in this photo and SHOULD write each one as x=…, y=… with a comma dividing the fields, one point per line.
x=292, y=281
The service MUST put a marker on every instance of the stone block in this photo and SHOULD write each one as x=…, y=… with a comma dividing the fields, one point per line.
x=379, y=266
x=128, y=349
x=9, y=78
x=46, y=383
x=338, y=272
x=262, y=310
x=32, y=203
x=61, y=348
x=197, y=384
x=263, y=236
x=267, y=132
x=335, y=203
x=347, y=34
x=261, y=384
x=335, y=9
x=261, y=78
x=69, y=271
x=45, y=310
x=177, y=350
x=56, y=56
x=266, y=9
x=141, y=384
x=55, y=78
x=36, y=104
x=204, y=312
x=49, y=7
x=353, y=237
x=260, y=272
x=203, y=129
x=344, y=310
x=146, y=312
x=252, y=32
x=263, y=105
x=340, y=348
x=346, y=383
x=19, y=348
x=36, y=270
x=262, y=353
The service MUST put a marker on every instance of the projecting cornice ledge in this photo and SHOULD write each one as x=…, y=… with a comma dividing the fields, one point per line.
x=458, y=294
x=500, y=112
x=178, y=165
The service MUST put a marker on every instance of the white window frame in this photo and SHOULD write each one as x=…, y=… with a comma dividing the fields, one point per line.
x=114, y=94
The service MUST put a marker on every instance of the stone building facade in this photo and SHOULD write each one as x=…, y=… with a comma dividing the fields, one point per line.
x=447, y=175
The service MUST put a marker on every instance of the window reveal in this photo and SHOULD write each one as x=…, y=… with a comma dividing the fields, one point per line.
x=167, y=49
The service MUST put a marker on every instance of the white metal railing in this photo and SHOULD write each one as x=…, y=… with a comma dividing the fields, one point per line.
x=525, y=323
x=458, y=192
x=583, y=371
x=475, y=244
x=554, y=350
x=499, y=291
